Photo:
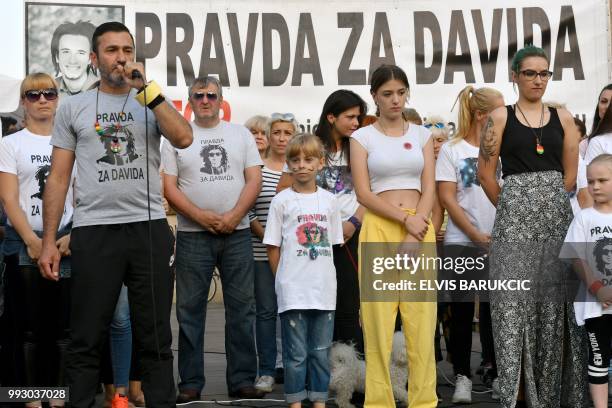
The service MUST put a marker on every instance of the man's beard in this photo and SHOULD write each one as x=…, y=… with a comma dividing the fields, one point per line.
x=114, y=79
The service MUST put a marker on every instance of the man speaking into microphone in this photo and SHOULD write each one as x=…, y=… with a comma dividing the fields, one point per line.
x=120, y=233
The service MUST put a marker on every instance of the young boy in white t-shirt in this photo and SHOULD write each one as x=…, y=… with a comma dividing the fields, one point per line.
x=589, y=242
x=303, y=223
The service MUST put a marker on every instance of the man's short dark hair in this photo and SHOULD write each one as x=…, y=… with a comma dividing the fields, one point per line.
x=84, y=28
x=109, y=27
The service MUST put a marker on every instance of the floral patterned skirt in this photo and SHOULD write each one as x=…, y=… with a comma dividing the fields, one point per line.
x=537, y=337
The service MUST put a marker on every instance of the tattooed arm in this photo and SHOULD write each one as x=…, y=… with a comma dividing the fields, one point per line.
x=488, y=157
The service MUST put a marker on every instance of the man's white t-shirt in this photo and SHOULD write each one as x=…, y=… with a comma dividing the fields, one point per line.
x=458, y=163
x=589, y=238
x=210, y=172
x=304, y=226
x=28, y=156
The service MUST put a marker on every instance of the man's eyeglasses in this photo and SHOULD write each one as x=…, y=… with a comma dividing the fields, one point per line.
x=530, y=74
x=34, y=95
x=211, y=96
x=287, y=117
x=438, y=125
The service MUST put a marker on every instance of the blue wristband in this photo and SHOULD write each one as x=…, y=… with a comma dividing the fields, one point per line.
x=355, y=221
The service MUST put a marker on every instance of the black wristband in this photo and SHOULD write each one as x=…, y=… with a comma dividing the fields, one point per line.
x=159, y=99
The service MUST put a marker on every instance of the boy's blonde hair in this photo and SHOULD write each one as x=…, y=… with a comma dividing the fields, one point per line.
x=604, y=158
x=307, y=143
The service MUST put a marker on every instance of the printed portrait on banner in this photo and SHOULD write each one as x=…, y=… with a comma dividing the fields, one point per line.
x=58, y=41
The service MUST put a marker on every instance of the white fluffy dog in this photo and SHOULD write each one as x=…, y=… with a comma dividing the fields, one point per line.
x=348, y=371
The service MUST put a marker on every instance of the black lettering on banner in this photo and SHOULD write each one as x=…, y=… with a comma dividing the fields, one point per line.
x=458, y=62
x=426, y=20
x=275, y=22
x=148, y=50
x=212, y=37
x=244, y=62
x=512, y=41
x=306, y=65
x=570, y=59
x=488, y=53
x=536, y=16
x=179, y=50
x=381, y=31
x=346, y=75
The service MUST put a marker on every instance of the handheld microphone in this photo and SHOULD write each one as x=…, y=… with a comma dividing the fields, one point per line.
x=136, y=74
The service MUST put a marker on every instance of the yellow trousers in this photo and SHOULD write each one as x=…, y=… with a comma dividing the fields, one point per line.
x=378, y=321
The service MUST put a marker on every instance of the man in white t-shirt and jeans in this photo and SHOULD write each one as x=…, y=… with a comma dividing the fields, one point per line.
x=120, y=233
x=212, y=185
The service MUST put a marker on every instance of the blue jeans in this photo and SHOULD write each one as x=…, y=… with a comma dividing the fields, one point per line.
x=197, y=254
x=265, y=325
x=121, y=340
x=307, y=338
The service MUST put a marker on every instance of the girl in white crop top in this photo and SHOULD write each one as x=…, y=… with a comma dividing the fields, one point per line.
x=392, y=163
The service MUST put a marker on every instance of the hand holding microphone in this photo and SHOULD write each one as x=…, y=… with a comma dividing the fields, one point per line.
x=133, y=73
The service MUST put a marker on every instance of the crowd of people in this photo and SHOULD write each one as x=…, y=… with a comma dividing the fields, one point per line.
x=284, y=217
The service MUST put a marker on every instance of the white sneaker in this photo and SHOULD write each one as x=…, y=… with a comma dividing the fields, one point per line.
x=495, y=389
x=265, y=383
x=463, y=390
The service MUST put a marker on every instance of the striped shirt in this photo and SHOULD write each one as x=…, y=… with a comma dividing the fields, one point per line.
x=269, y=182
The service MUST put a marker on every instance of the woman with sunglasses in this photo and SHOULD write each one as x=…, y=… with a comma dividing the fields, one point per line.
x=25, y=159
x=279, y=130
x=392, y=164
x=538, y=345
x=439, y=134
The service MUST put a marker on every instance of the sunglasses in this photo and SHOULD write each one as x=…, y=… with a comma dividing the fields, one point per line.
x=287, y=117
x=530, y=74
x=438, y=125
x=211, y=96
x=32, y=95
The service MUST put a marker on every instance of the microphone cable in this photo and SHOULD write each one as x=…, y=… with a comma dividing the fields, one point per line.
x=137, y=74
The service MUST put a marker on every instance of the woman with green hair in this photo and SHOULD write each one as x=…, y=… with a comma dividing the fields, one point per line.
x=540, y=350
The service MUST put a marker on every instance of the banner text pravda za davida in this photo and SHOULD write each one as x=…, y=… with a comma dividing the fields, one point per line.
x=564, y=49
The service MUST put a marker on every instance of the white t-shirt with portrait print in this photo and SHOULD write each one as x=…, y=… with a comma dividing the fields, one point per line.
x=28, y=156
x=336, y=178
x=589, y=238
x=458, y=163
x=304, y=226
x=210, y=172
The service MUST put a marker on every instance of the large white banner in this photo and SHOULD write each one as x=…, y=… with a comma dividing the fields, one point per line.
x=288, y=56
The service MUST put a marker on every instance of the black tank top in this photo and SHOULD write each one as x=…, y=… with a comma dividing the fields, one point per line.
x=518, y=148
